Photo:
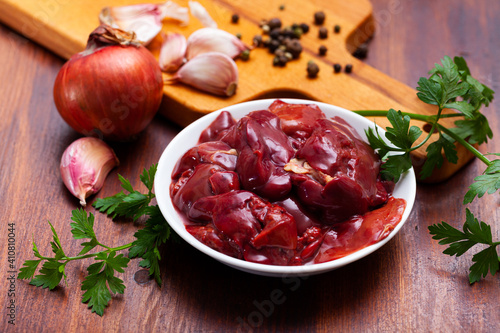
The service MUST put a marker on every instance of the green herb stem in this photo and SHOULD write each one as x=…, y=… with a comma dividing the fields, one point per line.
x=433, y=128
x=415, y=116
x=90, y=255
x=466, y=144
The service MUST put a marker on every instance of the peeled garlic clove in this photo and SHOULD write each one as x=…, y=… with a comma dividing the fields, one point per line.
x=214, y=40
x=172, y=52
x=84, y=166
x=212, y=72
x=172, y=10
x=144, y=20
x=198, y=11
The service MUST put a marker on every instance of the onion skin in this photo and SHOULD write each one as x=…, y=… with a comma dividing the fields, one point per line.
x=111, y=91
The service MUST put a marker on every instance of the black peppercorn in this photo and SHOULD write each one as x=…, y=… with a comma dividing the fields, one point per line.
x=274, y=23
x=238, y=35
x=235, y=18
x=336, y=28
x=322, y=50
x=276, y=61
x=273, y=45
x=275, y=33
x=312, y=69
x=319, y=18
x=282, y=7
x=295, y=48
x=297, y=32
x=337, y=68
x=361, y=52
x=245, y=55
x=279, y=52
x=323, y=33
x=348, y=68
x=288, y=32
x=304, y=27
x=282, y=60
x=257, y=40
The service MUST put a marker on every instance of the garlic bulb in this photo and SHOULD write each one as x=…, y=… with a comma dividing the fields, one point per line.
x=198, y=11
x=84, y=166
x=214, y=40
x=172, y=52
x=212, y=72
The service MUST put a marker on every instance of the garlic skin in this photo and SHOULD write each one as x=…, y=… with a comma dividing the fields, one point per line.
x=214, y=40
x=198, y=11
x=143, y=19
x=84, y=166
x=171, y=10
x=212, y=72
x=172, y=52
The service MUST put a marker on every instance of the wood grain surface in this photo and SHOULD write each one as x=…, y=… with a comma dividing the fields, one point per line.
x=408, y=285
x=63, y=27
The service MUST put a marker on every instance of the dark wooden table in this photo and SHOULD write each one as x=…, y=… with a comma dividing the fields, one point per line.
x=408, y=285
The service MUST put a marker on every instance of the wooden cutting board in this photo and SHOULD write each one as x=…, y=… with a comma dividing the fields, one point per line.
x=63, y=26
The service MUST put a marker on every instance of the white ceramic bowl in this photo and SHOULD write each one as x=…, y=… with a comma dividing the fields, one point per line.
x=187, y=138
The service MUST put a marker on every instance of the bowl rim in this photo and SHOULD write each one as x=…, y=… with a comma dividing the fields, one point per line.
x=406, y=185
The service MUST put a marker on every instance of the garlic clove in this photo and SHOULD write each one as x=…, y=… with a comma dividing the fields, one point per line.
x=172, y=52
x=84, y=166
x=174, y=11
x=198, y=11
x=143, y=19
x=212, y=72
x=214, y=40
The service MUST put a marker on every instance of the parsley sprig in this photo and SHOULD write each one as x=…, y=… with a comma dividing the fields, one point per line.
x=101, y=281
x=449, y=86
x=473, y=233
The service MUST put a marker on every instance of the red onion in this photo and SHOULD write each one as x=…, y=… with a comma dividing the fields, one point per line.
x=112, y=89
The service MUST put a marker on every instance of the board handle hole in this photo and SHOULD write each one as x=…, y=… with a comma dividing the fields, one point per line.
x=428, y=127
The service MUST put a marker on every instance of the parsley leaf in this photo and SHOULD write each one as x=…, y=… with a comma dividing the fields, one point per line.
x=30, y=266
x=147, y=177
x=109, y=204
x=83, y=227
x=28, y=270
x=401, y=134
x=50, y=275
x=484, y=261
x=132, y=205
x=101, y=280
x=476, y=130
x=444, y=84
x=461, y=241
x=56, y=244
x=435, y=158
x=148, y=239
x=402, y=137
x=395, y=166
x=488, y=182
x=478, y=93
